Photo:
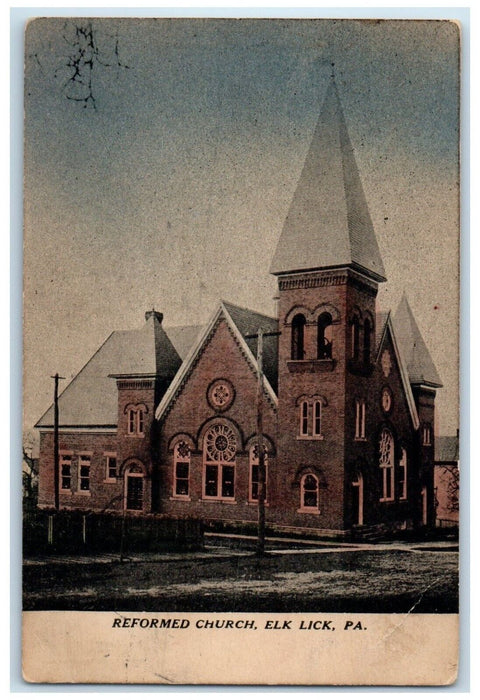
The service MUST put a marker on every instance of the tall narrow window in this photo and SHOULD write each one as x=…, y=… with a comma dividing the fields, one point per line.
x=387, y=463
x=254, y=473
x=140, y=421
x=132, y=417
x=403, y=475
x=111, y=467
x=355, y=338
x=309, y=493
x=181, y=466
x=65, y=472
x=367, y=339
x=298, y=333
x=360, y=419
x=304, y=418
x=427, y=434
x=84, y=473
x=219, y=452
x=324, y=337
x=317, y=418
x=136, y=420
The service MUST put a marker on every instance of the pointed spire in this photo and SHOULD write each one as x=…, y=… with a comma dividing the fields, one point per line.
x=421, y=369
x=328, y=224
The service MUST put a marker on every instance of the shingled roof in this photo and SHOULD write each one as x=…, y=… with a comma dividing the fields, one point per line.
x=248, y=322
x=90, y=400
x=328, y=223
x=91, y=397
x=420, y=367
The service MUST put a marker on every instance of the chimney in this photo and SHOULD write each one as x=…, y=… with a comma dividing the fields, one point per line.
x=157, y=314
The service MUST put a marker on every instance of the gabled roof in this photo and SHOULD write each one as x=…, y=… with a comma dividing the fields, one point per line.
x=389, y=329
x=249, y=321
x=421, y=369
x=328, y=223
x=91, y=397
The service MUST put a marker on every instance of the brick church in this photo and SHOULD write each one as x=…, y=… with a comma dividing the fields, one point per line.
x=164, y=419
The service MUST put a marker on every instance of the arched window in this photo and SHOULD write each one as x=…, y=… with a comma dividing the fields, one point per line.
x=254, y=473
x=181, y=470
x=309, y=493
x=324, y=337
x=298, y=333
x=219, y=451
x=304, y=418
x=136, y=419
x=367, y=339
x=387, y=465
x=134, y=488
x=355, y=338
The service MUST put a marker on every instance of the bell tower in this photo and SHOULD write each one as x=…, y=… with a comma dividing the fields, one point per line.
x=328, y=267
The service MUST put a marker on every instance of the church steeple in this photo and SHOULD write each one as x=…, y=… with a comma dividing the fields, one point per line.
x=328, y=224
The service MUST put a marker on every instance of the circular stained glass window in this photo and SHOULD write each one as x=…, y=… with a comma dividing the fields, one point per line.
x=220, y=394
x=220, y=444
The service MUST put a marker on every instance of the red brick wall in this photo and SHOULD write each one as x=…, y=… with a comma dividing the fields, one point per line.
x=364, y=455
x=425, y=402
x=102, y=494
x=325, y=454
x=222, y=358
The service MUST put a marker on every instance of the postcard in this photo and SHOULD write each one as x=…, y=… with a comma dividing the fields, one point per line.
x=241, y=312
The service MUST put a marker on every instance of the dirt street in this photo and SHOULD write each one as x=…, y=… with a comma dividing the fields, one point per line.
x=345, y=578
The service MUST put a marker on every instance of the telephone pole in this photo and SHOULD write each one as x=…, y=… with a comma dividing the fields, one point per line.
x=260, y=335
x=56, y=475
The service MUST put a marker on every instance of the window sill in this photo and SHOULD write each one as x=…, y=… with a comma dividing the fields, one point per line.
x=66, y=492
x=180, y=498
x=315, y=511
x=83, y=493
x=135, y=435
x=255, y=503
x=387, y=500
x=309, y=437
x=361, y=439
x=217, y=499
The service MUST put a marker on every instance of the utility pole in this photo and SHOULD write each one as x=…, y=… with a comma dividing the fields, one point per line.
x=56, y=475
x=260, y=447
x=260, y=335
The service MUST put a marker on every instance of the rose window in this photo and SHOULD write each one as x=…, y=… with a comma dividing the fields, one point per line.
x=220, y=444
x=221, y=394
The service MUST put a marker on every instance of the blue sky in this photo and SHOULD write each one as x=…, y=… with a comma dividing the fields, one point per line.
x=172, y=192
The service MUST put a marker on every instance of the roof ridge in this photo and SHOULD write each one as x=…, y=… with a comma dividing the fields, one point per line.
x=246, y=308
